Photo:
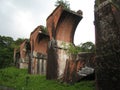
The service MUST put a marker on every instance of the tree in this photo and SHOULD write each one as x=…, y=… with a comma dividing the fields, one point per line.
x=7, y=45
x=18, y=42
x=83, y=47
x=6, y=51
x=65, y=4
x=87, y=47
x=72, y=49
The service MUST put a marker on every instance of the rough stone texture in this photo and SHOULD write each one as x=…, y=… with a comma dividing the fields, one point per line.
x=107, y=24
x=39, y=43
x=61, y=25
x=79, y=68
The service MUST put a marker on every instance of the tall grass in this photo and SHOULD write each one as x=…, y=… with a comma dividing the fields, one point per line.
x=18, y=79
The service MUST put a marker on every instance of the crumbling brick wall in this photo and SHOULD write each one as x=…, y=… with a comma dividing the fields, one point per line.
x=79, y=68
x=39, y=43
x=107, y=25
x=61, y=25
x=24, y=55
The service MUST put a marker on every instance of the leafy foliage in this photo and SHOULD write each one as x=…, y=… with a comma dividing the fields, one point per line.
x=87, y=47
x=73, y=49
x=44, y=29
x=6, y=51
x=7, y=45
x=83, y=47
x=18, y=79
x=18, y=42
x=65, y=4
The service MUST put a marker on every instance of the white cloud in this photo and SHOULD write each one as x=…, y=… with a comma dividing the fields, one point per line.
x=85, y=30
x=20, y=17
x=23, y=23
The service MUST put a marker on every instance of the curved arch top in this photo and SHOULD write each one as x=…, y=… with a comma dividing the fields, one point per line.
x=66, y=26
x=39, y=40
x=62, y=23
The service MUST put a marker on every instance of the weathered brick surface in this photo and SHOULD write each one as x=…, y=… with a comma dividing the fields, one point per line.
x=21, y=55
x=24, y=55
x=61, y=25
x=73, y=71
x=52, y=21
x=107, y=24
x=39, y=43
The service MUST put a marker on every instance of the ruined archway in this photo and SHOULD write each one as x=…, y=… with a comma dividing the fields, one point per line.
x=61, y=26
x=22, y=55
x=66, y=26
x=39, y=43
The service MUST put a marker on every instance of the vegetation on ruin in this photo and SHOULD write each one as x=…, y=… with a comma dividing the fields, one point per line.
x=44, y=29
x=6, y=51
x=73, y=49
x=83, y=47
x=87, y=47
x=18, y=79
x=63, y=3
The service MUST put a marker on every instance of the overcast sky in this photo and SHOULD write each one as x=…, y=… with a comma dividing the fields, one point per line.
x=18, y=18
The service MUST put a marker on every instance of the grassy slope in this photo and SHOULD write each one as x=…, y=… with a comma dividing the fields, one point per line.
x=16, y=78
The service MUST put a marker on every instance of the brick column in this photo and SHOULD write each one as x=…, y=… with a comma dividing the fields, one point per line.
x=61, y=25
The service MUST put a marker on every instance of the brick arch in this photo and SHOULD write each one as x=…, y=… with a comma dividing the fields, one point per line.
x=39, y=40
x=66, y=26
x=61, y=25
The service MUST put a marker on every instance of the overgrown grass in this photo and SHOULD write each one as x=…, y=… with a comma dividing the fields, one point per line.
x=20, y=80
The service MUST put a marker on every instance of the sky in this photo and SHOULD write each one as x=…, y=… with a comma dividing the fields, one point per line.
x=18, y=18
